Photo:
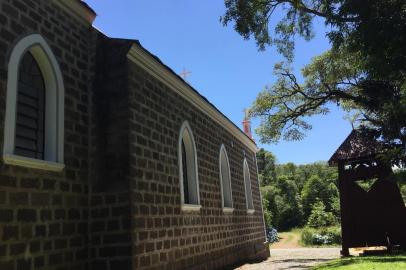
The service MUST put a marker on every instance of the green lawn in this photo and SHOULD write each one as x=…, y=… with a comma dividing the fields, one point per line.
x=366, y=263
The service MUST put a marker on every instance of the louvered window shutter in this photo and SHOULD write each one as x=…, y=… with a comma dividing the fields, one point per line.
x=30, y=121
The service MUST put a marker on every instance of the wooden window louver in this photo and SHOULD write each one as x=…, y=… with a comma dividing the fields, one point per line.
x=30, y=120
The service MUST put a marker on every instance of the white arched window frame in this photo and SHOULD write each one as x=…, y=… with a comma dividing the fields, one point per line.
x=225, y=181
x=186, y=137
x=248, y=188
x=54, y=105
x=260, y=195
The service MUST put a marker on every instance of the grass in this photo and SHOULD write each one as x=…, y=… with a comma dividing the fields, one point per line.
x=286, y=236
x=307, y=236
x=293, y=238
x=288, y=239
x=366, y=263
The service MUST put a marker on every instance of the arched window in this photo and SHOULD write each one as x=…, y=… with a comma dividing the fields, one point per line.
x=248, y=190
x=30, y=126
x=34, y=123
x=188, y=169
x=225, y=179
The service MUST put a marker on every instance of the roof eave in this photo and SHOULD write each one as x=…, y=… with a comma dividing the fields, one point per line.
x=163, y=73
x=79, y=9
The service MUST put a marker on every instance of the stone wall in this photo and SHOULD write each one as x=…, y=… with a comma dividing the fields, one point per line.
x=118, y=198
x=110, y=125
x=164, y=236
x=110, y=229
x=44, y=215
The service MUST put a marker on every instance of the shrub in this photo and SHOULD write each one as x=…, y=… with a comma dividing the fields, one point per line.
x=272, y=235
x=321, y=236
x=403, y=192
x=307, y=236
x=319, y=217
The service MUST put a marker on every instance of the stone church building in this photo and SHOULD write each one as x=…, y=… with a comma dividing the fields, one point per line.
x=109, y=159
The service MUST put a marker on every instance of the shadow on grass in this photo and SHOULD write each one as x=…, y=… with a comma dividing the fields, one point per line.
x=389, y=259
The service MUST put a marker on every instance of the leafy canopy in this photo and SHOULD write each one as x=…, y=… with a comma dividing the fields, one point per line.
x=364, y=72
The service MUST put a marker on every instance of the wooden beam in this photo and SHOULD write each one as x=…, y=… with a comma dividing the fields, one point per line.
x=344, y=208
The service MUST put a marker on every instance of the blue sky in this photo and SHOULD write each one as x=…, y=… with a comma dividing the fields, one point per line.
x=226, y=69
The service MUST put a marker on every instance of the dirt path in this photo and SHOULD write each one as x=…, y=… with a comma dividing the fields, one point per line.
x=294, y=258
x=287, y=240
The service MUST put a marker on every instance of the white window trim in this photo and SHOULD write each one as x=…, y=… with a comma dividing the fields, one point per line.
x=54, y=146
x=33, y=163
x=184, y=206
x=191, y=207
x=228, y=210
x=260, y=197
x=246, y=167
x=225, y=208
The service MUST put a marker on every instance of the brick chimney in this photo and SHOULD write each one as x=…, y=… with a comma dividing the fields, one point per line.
x=246, y=123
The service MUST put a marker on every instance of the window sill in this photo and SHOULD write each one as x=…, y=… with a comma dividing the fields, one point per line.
x=191, y=207
x=33, y=163
x=228, y=210
x=250, y=211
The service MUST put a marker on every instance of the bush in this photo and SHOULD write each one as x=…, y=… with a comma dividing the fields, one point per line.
x=403, y=192
x=319, y=217
x=272, y=235
x=321, y=236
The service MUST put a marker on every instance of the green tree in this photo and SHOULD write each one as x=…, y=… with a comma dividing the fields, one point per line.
x=271, y=211
x=400, y=178
x=403, y=191
x=288, y=203
x=316, y=190
x=294, y=189
x=320, y=169
x=335, y=208
x=319, y=217
x=373, y=28
x=267, y=213
x=364, y=72
x=266, y=162
x=288, y=169
x=282, y=204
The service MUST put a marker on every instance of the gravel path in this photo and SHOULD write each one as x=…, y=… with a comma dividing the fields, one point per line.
x=295, y=258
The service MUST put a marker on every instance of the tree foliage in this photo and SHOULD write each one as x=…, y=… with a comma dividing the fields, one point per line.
x=317, y=190
x=364, y=72
x=266, y=165
x=319, y=217
x=252, y=19
x=289, y=195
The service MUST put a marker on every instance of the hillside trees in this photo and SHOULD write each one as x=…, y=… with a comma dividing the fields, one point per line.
x=293, y=191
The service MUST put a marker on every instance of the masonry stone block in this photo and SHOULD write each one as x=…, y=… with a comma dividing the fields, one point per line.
x=116, y=204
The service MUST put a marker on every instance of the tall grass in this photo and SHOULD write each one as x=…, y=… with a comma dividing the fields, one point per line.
x=321, y=236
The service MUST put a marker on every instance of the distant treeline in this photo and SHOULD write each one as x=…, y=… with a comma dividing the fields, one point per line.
x=302, y=195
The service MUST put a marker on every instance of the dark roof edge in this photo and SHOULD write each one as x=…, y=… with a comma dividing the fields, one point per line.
x=79, y=9
x=356, y=146
x=137, y=43
x=86, y=6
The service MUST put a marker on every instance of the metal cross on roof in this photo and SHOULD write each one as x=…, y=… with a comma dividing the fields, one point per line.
x=184, y=74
